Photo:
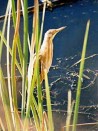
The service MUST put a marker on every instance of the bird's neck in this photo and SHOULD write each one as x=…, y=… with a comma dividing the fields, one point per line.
x=47, y=45
x=47, y=52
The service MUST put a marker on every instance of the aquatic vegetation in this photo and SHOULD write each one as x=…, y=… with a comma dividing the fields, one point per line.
x=32, y=105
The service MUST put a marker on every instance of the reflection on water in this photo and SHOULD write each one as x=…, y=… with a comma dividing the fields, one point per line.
x=65, y=77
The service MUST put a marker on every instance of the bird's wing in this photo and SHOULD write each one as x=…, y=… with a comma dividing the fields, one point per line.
x=41, y=66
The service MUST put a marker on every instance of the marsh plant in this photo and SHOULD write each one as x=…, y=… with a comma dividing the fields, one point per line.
x=30, y=106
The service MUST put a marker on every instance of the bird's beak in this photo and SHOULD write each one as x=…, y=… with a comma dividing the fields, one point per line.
x=60, y=29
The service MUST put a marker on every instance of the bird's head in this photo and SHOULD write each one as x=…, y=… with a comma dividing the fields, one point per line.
x=52, y=32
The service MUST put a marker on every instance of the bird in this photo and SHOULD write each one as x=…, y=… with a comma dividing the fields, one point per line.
x=46, y=52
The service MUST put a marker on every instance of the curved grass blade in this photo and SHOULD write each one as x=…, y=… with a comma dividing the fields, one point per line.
x=10, y=51
x=8, y=69
x=80, y=77
x=18, y=39
x=13, y=79
x=3, y=31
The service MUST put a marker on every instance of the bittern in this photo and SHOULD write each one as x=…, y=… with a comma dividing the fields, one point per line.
x=46, y=52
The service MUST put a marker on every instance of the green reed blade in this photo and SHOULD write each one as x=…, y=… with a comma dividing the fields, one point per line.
x=80, y=77
x=25, y=57
x=49, y=109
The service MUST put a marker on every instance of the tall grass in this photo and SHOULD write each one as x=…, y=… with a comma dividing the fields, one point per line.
x=50, y=120
x=42, y=121
x=25, y=56
x=78, y=94
x=9, y=97
x=3, y=92
x=69, y=111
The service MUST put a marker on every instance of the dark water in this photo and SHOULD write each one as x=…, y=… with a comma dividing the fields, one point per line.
x=67, y=51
